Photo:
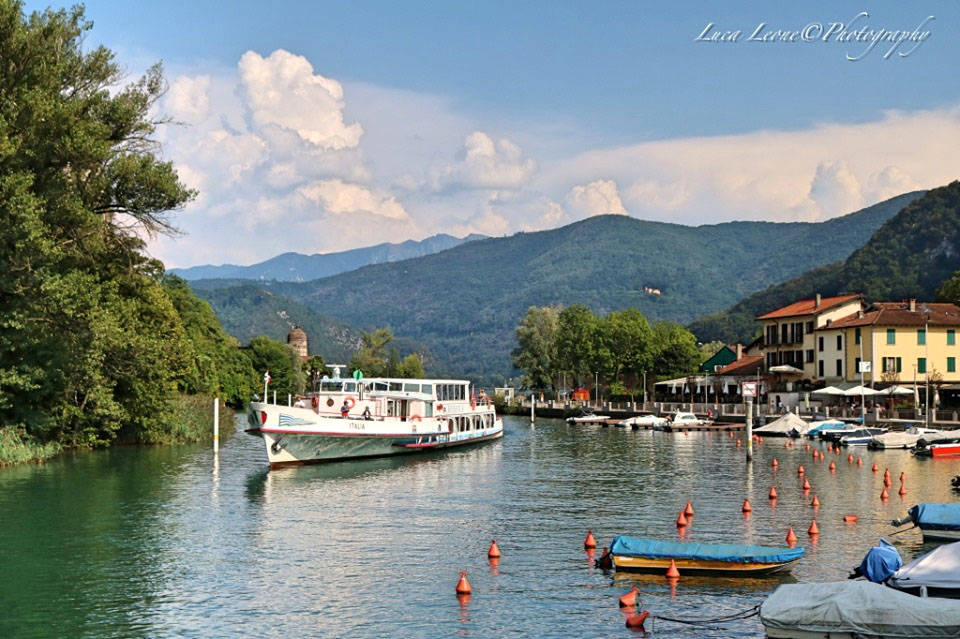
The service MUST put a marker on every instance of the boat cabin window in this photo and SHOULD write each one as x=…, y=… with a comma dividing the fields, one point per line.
x=395, y=386
x=380, y=386
x=331, y=387
x=350, y=387
x=426, y=388
x=411, y=388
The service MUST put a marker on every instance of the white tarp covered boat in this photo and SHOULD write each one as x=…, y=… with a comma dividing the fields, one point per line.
x=787, y=426
x=901, y=439
x=860, y=609
x=935, y=574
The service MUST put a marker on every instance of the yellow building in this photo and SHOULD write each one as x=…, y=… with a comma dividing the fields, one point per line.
x=789, y=337
x=903, y=342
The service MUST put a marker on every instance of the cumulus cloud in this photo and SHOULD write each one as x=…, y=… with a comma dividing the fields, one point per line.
x=835, y=189
x=187, y=99
x=341, y=198
x=283, y=90
x=599, y=197
x=488, y=164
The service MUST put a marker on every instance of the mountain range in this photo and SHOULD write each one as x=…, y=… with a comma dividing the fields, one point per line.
x=297, y=267
x=465, y=302
x=911, y=255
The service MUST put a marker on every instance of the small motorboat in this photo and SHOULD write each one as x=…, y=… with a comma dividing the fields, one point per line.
x=934, y=574
x=861, y=436
x=856, y=610
x=814, y=428
x=900, y=439
x=833, y=434
x=645, y=421
x=936, y=521
x=587, y=416
x=651, y=555
x=788, y=425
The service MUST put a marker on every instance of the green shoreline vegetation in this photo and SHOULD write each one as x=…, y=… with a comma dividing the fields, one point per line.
x=98, y=345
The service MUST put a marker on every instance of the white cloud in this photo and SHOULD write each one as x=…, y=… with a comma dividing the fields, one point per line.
x=835, y=189
x=599, y=197
x=487, y=164
x=341, y=198
x=283, y=90
x=187, y=100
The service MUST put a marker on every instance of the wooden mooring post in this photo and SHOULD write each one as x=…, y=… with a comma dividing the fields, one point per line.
x=216, y=425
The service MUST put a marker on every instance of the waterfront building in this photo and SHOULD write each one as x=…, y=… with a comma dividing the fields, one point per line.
x=726, y=355
x=903, y=341
x=298, y=340
x=789, y=337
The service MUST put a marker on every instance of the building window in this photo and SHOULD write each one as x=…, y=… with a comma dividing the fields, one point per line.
x=921, y=364
x=892, y=365
x=839, y=342
x=951, y=364
x=820, y=368
x=856, y=336
x=856, y=364
x=951, y=337
x=839, y=368
x=899, y=365
x=820, y=344
x=798, y=332
x=921, y=337
x=891, y=336
x=809, y=356
x=784, y=334
x=810, y=326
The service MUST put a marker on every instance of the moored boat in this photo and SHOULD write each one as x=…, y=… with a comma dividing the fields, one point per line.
x=900, y=439
x=644, y=421
x=348, y=418
x=651, y=555
x=934, y=574
x=861, y=436
x=856, y=610
x=936, y=521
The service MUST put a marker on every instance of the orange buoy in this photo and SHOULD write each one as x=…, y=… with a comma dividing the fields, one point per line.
x=875, y=467
x=746, y=506
x=833, y=467
x=791, y=536
x=859, y=461
x=800, y=470
x=903, y=477
x=884, y=494
x=629, y=599
x=760, y=440
x=681, y=520
x=672, y=572
x=902, y=491
x=688, y=511
x=886, y=473
x=463, y=586
x=887, y=482
x=738, y=443
x=850, y=519
x=816, y=502
x=636, y=621
x=773, y=492
x=813, y=529
x=850, y=458
x=807, y=448
x=775, y=463
x=806, y=484
x=494, y=552
x=590, y=541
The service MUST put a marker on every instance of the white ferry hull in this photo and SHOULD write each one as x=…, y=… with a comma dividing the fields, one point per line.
x=315, y=439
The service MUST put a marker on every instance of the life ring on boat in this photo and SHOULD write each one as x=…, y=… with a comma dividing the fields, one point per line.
x=350, y=402
x=416, y=418
x=315, y=402
x=439, y=406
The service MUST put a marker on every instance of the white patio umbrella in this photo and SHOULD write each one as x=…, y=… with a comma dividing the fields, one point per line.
x=786, y=369
x=897, y=390
x=830, y=390
x=858, y=390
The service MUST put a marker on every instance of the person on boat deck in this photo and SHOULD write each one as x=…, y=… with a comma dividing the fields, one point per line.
x=300, y=403
x=366, y=413
x=345, y=409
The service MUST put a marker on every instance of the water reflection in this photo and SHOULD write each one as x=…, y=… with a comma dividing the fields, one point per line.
x=174, y=541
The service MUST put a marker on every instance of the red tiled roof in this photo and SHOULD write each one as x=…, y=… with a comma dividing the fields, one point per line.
x=899, y=314
x=743, y=366
x=808, y=307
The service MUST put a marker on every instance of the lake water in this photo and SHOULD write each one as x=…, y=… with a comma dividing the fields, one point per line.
x=163, y=542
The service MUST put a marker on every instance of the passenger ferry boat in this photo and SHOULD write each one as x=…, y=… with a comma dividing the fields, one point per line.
x=348, y=418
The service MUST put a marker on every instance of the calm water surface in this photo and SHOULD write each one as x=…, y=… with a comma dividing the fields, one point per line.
x=163, y=542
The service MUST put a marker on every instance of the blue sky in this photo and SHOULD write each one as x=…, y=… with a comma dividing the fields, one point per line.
x=365, y=122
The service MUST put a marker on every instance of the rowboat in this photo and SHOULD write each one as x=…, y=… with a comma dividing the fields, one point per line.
x=936, y=521
x=651, y=555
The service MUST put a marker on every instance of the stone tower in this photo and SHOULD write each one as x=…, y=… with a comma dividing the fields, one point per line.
x=298, y=339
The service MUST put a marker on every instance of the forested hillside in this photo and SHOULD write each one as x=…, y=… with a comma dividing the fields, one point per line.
x=909, y=256
x=465, y=303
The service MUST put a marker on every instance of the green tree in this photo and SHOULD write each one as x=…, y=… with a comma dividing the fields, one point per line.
x=950, y=289
x=410, y=367
x=91, y=347
x=627, y=344
x=314, y=369
x=536, y=351
x=676, y=351
x=577, y=341
x=372, y=356
x=281, y=361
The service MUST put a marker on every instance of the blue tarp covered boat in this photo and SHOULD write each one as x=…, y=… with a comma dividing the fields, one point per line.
x=937, y=521
x=635, y=553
